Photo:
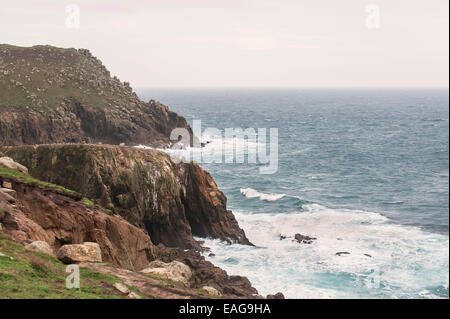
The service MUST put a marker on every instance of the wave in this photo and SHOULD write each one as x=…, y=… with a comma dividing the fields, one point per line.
x=385, y=260
x=251, y=193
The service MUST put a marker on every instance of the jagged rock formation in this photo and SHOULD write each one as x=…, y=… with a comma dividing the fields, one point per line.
x=53, y=95
x=171, y=201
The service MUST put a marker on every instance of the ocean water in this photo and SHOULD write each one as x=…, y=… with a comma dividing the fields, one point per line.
x=365, y=171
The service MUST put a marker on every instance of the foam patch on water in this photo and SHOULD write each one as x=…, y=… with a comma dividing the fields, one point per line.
x=385, y=260
x=251, y=193
x=215, y=149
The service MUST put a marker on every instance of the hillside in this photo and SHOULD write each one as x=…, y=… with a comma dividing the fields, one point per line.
x=54, y=95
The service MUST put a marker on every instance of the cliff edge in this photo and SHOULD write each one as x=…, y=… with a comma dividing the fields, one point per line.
x=54, y=95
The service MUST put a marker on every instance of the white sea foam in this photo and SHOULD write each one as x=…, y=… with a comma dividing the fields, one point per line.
x=251, y=193
x=386, y=260
x=214, y=148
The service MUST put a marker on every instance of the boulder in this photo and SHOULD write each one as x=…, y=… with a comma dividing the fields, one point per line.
x=278, y=295
x=211, y=291
x=121, y=288
x=87, y=252
x=175, y=271
x=10, y=163
x=133, y=295
x=41, y=246
x=301, y=239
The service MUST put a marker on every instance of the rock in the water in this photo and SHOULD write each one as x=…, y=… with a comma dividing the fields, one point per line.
x=301, y=239
x=175, y=270
x=10, y=163
x=211, y=291
x=41, y=246
x=87, y=252
x=133, y=295
x=282, y=237
x=278, y=295
x=121, y=288
x=340, y=253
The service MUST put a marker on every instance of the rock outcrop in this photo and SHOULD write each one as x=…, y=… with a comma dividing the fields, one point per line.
x=10, y=163
x=77, y=253
x=41, y=246
x=302, y=239
x=171, y=201
x=53, y=95
x=175, y=271
x=205, y=273
x=43, y=214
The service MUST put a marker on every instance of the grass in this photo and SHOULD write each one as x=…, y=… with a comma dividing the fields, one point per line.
x=31, y=275
x=63, y=74
x=88, y=202
x=27, y=179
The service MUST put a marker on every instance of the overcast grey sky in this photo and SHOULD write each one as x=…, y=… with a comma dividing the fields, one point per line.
x=302, y=43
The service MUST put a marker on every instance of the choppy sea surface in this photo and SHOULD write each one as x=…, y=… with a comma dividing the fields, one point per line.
x=364, y=171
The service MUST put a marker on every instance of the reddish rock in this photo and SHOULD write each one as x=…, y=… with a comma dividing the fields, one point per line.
x=171, y=201
x=44, y=215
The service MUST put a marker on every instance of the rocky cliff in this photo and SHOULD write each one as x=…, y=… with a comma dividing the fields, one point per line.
x=37, y=211
x=33, y=210
x=173, y=202
x=53, y=95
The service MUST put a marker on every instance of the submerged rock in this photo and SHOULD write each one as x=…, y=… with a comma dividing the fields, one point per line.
x=340, y=253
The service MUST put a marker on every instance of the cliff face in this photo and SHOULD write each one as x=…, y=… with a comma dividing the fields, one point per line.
x=53, y=95
x=171, y=201
x=59, y=218
x=33, y=210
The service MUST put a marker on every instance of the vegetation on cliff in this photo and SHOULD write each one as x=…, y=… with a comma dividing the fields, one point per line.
x=54, y=95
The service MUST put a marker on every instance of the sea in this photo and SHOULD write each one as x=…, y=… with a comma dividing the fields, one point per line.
x=364, y=171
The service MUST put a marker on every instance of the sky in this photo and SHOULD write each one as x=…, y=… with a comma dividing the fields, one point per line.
x=246, y=43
